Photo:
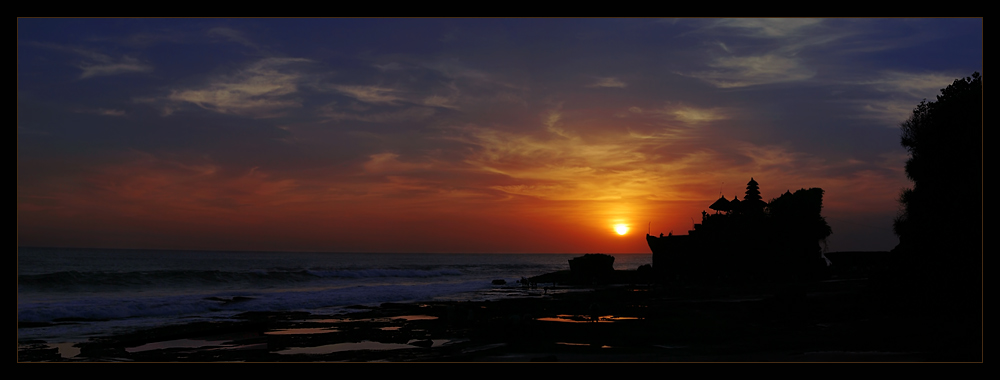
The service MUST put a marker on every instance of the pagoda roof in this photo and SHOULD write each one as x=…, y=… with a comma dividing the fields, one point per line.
x=722, y=204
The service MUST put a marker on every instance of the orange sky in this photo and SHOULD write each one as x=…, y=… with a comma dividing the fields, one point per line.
x=452, y=135
x=518, y=193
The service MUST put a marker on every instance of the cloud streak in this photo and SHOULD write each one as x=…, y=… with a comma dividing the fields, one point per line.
x=262, y=89
x=97, y=64
x=107, y=66
x=735, y=72
x=916, y=85
x=232, y=35
x=369, y=94
x=901, y=92
x=689, y=114
x=610, y=82
x=769, y=27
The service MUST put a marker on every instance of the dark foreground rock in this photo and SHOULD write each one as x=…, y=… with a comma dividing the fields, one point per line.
x=823, y=321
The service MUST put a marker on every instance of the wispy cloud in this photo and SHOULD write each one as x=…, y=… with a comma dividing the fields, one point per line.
x=631, y=111
x=232, y=35
x=111, y=66
x=904, y=91
x=771, y=157
x=922, y=85
x=332, y=113
x=260, y=90
x=388, y=66
x=441, y=101
x=890, y=112
x=392, y=104
x=466, y=76
x=732, y=72
x=776, y=59
x=403, y=81
x=389, y=162
x=103, y=111
x=608, y=82
x=679, y=112
x=768, y=27
x=564, y=165
x=95, y=64
x=369, y=94
x=689, y=114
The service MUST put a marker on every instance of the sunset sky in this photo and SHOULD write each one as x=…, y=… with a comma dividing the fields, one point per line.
x=461, y=135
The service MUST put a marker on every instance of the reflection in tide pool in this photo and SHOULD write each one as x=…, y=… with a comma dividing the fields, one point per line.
x=340, y=347
x=365, y=345
x=67, y=350
x=416, y=317
x=585, y=318
x=304, y=330
x=581, y=344
x=177, y=343
x=430, y=342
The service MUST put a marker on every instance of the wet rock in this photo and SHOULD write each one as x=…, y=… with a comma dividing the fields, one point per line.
x=592, y=267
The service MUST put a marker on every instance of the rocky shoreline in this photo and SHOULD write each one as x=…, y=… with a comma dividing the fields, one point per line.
x=835, y=320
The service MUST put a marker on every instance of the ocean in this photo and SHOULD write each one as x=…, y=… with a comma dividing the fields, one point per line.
x=68, y=295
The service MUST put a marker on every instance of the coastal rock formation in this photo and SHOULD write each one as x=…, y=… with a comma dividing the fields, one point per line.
x=748, y=240
x=592, y=267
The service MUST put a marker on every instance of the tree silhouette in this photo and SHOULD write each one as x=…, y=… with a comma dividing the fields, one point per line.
x=934, y=277
x=801, y=212
x=937, y=266
x=940, y=224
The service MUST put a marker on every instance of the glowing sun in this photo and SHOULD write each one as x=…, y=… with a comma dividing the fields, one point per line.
x=621, y=229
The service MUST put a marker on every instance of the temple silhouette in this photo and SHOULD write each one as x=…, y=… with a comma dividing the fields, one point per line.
x=748, y=240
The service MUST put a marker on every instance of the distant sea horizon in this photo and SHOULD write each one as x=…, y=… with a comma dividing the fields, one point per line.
x=317, y=251
x=72, y=294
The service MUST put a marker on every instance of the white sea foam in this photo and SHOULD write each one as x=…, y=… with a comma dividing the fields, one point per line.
x=87, y=291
